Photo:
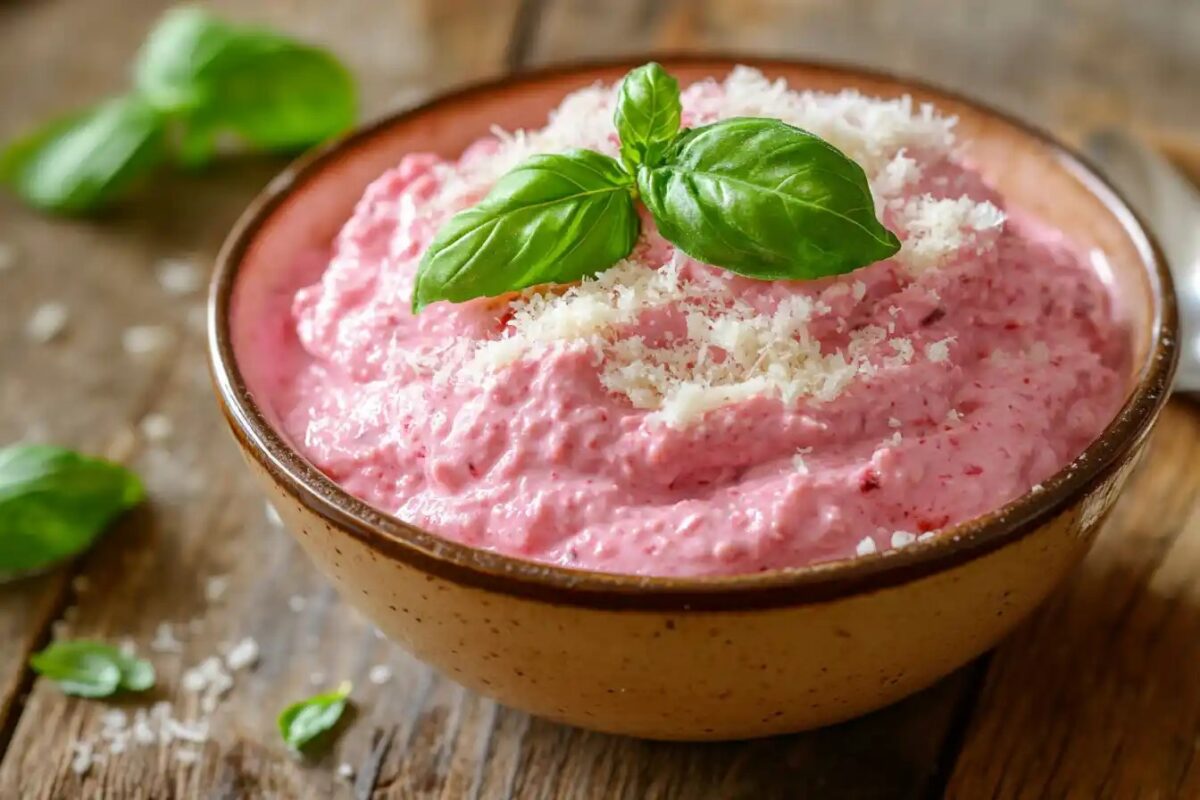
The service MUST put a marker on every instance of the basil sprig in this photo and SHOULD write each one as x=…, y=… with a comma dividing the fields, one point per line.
x=92, y=669
x=196, y=80
x=755, y=196
x=54, y=503
x=305, y=720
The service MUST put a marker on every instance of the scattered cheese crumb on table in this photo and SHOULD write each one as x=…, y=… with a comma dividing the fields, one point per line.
x=215, y=587
x=156, y=427
x=242, y=655
x=178, y=276
x=47, y=323
x=142, y=340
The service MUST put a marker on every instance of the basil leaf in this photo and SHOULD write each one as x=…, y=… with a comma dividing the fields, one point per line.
x=552, y=219
x=54, y=503
x=272, y=92
x=92, y=669
x=764, y=199
x=647, y=115
x=80, y=162
x=178, y=49
x=303, y=721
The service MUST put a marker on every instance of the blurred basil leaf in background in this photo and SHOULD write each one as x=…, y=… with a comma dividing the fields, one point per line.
x=268, y=91
x=54, y=503
x=197, y=80
x=75, y=163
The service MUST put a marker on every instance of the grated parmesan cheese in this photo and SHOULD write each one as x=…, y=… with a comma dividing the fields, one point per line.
x=729, y=350
x=144, y=340
x=178, y=276
x=939, y=228
x=379, y=674
x=215, y=587
x=164, y=640
x=156, y=427
x=242, y=655
x=46, y=323
x=939, y=351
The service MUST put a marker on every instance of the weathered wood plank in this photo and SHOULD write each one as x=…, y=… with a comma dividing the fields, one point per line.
x=1067, y=65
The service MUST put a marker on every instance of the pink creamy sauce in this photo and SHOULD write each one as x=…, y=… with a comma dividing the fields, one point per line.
x=544, y=463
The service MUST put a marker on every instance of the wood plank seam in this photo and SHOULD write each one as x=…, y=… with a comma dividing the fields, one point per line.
x=524, y=32
x=960, y=724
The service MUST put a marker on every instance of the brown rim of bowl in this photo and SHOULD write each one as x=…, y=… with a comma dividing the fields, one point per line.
x=816, y=583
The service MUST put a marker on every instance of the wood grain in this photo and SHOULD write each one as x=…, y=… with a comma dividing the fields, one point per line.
x=1067, y=64
x=1094, y=697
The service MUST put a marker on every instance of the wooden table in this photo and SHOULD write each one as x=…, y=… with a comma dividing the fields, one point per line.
x=1097, y=696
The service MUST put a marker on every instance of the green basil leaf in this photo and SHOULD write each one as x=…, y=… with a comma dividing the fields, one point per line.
x=303, y=721
x=272, y=92
x=552, y=219
x=175, y=52
x=54, y=503
x=92, y=669
x=647, y=115
x=764, y=199
x=80, y=162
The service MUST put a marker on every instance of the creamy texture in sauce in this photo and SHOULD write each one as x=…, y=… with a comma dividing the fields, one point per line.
x=980, y=363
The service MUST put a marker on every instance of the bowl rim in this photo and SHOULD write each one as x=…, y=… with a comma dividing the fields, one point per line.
x=468, y=566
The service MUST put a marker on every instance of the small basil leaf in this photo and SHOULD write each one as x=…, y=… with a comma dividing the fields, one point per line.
x=303, y=721
x=647, y=114
x=81, y=162
x=54, y=503
x=92, y=669
x=272, y=92
x=552, y=219
x=764, y=199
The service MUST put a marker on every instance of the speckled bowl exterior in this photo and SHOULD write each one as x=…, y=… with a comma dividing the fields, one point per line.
x=699, y=658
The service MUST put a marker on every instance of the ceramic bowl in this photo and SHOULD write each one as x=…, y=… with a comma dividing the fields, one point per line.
x=698, y=658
